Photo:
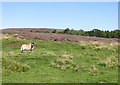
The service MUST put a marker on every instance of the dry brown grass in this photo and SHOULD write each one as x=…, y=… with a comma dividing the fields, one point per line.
x=48, y=53
x=65, y=62
x=5, y=36
x=8, y=36
x=93, y=70
x=109, y=62
x=99, y=44
x=11, y=53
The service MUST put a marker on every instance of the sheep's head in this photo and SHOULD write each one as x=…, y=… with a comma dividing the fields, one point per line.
x=32, y=44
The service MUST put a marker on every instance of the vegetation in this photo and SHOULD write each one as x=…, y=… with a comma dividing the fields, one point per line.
x=54, y=31
x=94, y=32
x=31, y=34
x=59, y=62
x=40, y=31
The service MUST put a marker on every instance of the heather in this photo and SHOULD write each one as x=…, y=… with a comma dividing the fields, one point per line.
x=93, y=32
x=26, y=34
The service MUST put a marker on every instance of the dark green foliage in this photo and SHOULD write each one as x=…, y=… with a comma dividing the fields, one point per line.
x=40, y=31
x=54, y=31
x=19, y=30
x=66, y=30
x=94, y=32
x=31, y=31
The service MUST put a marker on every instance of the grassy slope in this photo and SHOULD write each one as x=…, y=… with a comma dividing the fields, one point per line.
x=92, y=59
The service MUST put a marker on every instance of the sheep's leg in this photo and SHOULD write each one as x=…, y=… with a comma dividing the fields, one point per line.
x=30, y=50
x=21, y=50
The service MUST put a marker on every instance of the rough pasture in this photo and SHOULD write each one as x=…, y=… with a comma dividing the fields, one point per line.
x=90, y=60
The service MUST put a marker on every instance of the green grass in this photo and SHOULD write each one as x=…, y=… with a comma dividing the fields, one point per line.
x=58, y=62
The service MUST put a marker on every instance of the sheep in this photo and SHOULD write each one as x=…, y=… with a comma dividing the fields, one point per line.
x=27, y=47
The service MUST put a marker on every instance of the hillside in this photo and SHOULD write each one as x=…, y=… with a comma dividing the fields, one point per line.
x=34, y=29
x=90, y=60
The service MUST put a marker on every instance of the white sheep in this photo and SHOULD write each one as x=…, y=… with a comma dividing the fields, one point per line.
x=27, y=47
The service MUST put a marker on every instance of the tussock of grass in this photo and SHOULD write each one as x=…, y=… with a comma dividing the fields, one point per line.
x=93, y=70
x=65, y=62
x=11, y=53
x=6, y=36
x=10, y=66
x=109, y=62
x=99, y=45
x=48, y=53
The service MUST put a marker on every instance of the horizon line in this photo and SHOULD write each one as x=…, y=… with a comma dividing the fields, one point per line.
x=55, y=28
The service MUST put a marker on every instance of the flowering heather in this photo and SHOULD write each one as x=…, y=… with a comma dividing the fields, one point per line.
x=26, y=34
